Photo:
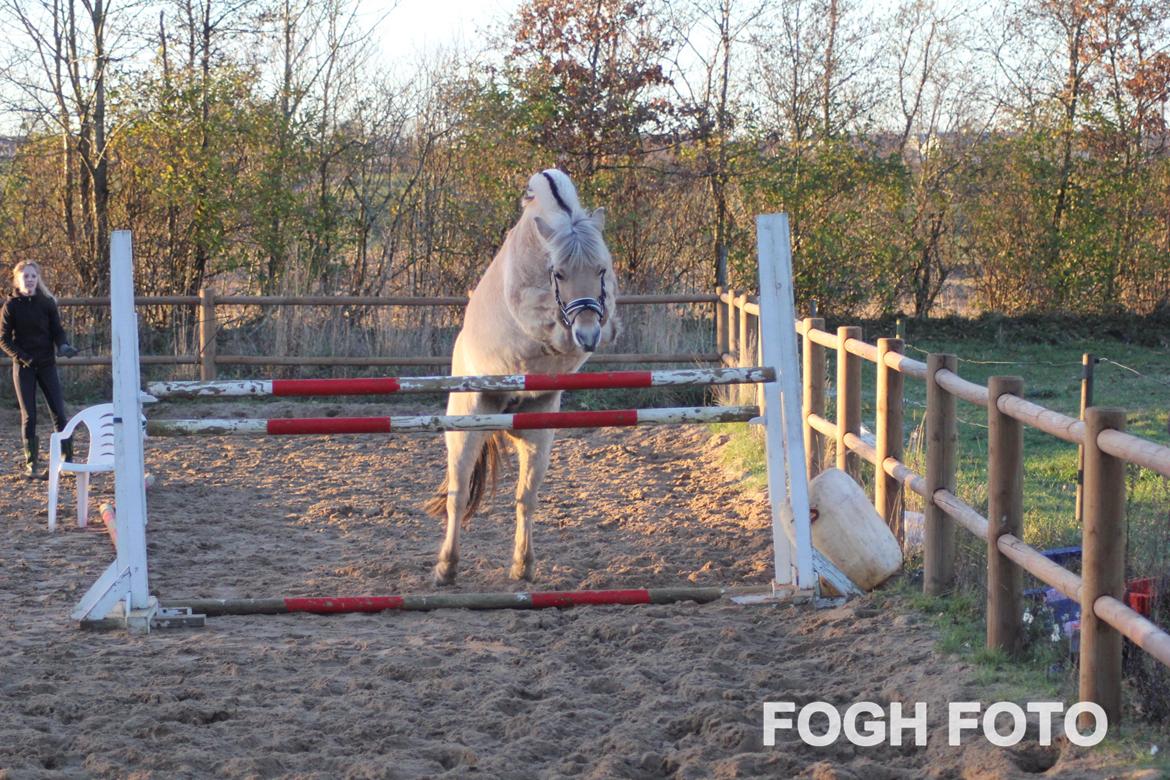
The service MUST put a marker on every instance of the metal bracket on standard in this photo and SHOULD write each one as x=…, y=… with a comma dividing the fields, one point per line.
x=143, y=621
x=777, y=594
x=178, y=617
x=138, y=621
x=831, y=579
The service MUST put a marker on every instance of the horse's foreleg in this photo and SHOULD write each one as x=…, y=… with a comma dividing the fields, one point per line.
x=534, y=448
x=463, y=448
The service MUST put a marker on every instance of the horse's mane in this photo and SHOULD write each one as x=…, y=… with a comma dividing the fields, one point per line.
x=578, y=245
x=576, y=241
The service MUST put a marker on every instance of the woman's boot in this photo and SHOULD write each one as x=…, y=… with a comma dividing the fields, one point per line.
x=30, y=462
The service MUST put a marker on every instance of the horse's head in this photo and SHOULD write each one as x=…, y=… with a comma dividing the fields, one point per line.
x=580, y=268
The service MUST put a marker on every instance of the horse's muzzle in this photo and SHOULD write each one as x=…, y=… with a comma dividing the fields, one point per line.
x=587, y=336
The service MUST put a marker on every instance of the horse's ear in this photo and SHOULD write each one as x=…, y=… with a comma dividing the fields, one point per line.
x=546, y=231
x=598, y=217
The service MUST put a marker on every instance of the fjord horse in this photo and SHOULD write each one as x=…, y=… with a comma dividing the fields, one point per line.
x=545, y=303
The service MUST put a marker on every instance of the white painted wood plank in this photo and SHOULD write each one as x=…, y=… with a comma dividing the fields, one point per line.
x=129, y=468
x=108, y=590
x=787, y=483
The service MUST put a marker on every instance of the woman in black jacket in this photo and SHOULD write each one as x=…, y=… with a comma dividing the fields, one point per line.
x=31, y=334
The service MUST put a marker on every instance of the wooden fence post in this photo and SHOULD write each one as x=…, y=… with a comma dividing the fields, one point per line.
x=813, y=396
x=208, y=327
x=1088, y=361
x=887, y=491
x=743, y=355
x=941, y=438
x=1102, y=564
x=848, y=399
x=1005, y=515
x=720, y=324
x=732, y=328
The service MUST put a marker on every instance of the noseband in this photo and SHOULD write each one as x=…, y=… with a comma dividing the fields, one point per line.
x=574, y=307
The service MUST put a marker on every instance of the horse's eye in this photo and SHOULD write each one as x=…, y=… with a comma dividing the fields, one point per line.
x=559, y=276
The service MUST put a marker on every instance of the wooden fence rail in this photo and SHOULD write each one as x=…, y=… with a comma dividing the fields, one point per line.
x=208, y=321
x=1100, y=589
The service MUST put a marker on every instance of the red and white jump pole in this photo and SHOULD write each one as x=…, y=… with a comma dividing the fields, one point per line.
x=426, y=603
x=601, y=380
x=472, y=422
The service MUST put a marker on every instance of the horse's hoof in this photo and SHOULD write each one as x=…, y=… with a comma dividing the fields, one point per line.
x=444, y=574
x=522, y=571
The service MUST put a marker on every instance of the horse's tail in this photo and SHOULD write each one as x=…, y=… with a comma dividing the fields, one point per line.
x=484, y=474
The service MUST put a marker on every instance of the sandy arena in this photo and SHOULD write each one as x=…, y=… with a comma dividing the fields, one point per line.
x=594, y=692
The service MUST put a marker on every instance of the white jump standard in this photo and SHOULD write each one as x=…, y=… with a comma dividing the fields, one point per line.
x=125, y=582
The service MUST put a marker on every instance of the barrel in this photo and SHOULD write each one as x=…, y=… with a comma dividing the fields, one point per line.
x=849, y=531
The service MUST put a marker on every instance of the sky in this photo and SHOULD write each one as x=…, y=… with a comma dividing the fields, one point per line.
x=416, y=26
x=406, y=29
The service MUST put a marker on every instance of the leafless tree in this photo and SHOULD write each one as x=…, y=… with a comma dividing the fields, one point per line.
x=705, y=77
x=1044, y=58
x=816, y=63
x=68, y=48
x=941, y=116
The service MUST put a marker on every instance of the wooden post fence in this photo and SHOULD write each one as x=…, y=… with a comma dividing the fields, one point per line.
x=1102, y=563
x=733, y=315
x=203, y=352
x=1088, y=361
x=208, y=327
x=813, y=396
x=887, y=491
x=1105, y=616
x=1005, y=515
x=720, y=325
x=743, y=354
x=848, y=400
x=941, y=438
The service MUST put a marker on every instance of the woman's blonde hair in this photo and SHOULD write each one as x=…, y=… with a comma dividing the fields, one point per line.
x=41, y=286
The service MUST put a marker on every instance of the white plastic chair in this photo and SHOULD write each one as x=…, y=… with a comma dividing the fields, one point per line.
x=100, y=422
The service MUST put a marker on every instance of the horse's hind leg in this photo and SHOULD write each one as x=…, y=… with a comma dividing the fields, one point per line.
x=463, y=448
x=533, y=448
